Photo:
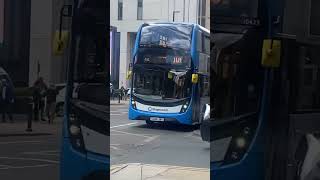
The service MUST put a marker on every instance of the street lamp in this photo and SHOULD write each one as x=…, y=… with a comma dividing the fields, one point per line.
x=174, y=12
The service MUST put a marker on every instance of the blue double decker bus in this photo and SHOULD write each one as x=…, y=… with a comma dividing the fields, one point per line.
x=170, y=73
x=86, y=123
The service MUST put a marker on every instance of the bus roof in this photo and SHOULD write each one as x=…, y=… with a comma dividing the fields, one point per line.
x=180, y=23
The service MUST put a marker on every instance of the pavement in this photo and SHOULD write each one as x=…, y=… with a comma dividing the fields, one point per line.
x=20, y=125
x=139, y=171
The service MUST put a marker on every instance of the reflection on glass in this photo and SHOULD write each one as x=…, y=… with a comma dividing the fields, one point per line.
x=161, y=84
x=178, y=36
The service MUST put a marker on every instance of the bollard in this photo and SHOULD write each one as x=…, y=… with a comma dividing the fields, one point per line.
x=30, y=111
x=119, y=98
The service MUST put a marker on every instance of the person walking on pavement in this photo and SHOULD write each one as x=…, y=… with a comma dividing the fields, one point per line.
x=122, y=92
x=7, y=99
x=36, y=102
x=40, y=88
x=51, y=95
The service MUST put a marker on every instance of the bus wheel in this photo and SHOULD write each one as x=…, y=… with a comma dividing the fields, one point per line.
x=148, y=122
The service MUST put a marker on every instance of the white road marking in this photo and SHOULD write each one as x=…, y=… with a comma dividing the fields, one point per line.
x=116, y=114
x=31, y=159
x=47, y=153
x=115, y=148
x=129, y=124
x=152, y=138
x=139, y=135
x=119, y=111
x=23, y=167
x=147, y=140
x=19, y=142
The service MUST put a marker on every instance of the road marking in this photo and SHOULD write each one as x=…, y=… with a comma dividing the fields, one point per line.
x=129, y=124
x=47, y=153
x=31, y=159
x=115, y=148
x=139, y=135
x=23, y=167
x=152, y=138
x=19, y=142
x=115, y=114
x=119, y=111
x=3, y=166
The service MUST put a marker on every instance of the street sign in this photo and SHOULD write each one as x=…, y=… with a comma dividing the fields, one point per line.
x=60, y=42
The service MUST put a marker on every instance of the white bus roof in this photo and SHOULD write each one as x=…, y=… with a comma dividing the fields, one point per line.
x=180, y=23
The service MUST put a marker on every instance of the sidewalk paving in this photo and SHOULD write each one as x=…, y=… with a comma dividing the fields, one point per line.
x=18, y=128
x=138, y=171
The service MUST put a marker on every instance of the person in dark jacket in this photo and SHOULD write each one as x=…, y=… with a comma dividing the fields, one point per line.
x=7, y=99
x=40, y=88
x=51, y=95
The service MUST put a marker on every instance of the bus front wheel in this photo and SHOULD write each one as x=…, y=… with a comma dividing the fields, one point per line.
x=148, y=122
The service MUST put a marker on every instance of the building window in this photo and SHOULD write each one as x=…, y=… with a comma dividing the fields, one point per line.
x=120, y=9
x=139, y=9
x=203, y=15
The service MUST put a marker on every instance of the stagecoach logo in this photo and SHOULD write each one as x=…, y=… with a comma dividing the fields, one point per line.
x=157, y=109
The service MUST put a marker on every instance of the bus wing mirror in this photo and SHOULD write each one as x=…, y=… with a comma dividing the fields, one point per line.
x=195, y=78
x=271, y=53
x=207, y=113
x=129, y=74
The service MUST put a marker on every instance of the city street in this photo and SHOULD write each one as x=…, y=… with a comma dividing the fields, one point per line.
x=29, y=155
x=168, y=144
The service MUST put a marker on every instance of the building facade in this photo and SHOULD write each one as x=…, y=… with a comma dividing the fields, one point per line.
x=27, y=29
x=128, y=15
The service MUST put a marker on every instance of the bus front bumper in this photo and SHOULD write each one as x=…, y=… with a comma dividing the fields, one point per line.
x=182, y=118
x=76, y=165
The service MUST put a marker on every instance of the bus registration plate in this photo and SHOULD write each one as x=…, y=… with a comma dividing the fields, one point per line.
x=156, y=119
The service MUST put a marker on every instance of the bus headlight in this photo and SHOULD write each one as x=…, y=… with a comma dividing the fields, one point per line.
x=241, y=142
x=133, y=103
x=74, y=130
x=184, y=107
x=74, y=127
x=241, y=134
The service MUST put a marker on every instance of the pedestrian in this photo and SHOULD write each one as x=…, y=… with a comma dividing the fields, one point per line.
x=122, y=92
x=40, y=88
x=36, y=102
x=7, y=99
x=51, y=95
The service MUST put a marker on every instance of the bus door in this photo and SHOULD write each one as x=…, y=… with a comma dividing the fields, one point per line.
x=295, y=115
x=204, y=75
x=234, y=129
